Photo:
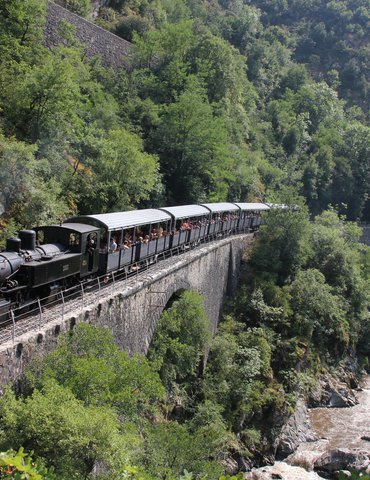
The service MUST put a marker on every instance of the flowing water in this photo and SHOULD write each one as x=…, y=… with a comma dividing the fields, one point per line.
x=344, y=427
x=335, y=428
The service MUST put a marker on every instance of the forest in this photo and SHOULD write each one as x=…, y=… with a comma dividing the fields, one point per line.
x=224, y=100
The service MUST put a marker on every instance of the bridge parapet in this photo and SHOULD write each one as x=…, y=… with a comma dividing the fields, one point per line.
x=131, y=309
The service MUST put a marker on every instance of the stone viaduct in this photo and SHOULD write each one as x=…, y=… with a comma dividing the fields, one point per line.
x=132, y=307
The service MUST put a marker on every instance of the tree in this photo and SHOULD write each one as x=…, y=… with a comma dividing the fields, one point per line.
x=194, y=150
x=357, y=148
x=238, y=378
x=267, y=61
x=118, y=175
x=180, y=340
x=319, y=314
x=15, y=158
x=69, y=436
x=321, y=102
x=283, y=244
x=45, y=96
x=170, y=450
x=81, y=7
x=339, y=257
x=29, y=193
x=89, y=363
x=163, y=56
x=221, y=68
x=21, y=30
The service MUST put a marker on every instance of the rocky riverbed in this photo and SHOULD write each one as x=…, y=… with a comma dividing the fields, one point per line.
x=338, y=440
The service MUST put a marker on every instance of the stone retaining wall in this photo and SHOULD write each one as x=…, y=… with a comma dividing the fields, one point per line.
x=365, y=234
x=114, y=51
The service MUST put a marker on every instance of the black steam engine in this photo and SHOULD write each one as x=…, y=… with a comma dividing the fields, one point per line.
x=44, y=260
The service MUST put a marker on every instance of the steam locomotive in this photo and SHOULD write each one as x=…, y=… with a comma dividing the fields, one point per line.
x=48, y=259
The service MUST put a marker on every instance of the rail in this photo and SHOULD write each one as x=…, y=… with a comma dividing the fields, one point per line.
x=61, y=304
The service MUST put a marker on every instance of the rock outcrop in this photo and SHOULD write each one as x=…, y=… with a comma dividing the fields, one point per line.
x=342, y=459
x=295, y=431
x=334, y=393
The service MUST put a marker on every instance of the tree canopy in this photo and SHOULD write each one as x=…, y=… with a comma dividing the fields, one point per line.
x=230, y=102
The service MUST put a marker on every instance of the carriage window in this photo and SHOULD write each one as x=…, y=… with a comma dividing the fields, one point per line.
x=74, y=239
x=92, y=237
x=118, y=237
x=40, y=237
x=91, y=243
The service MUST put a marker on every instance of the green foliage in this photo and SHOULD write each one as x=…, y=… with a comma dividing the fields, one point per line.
x=283, y=244
x=170, y=450
x=88, y=363
x=326, y=295
x=29, y=193
x=339, y=257
x=193, y=147
x=21, y=29
x=238, y=375
x=318, y=313
x=45, y=96
x=120, y=175
x=355, y=476
x=213, y=128
x=69, y=435
x=19, y=465
x=328, y=35
x=81, y=7
x=180, y=339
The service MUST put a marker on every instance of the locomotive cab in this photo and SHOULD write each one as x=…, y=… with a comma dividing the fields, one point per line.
x=80, y=239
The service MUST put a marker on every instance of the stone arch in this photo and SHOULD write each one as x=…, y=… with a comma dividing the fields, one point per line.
x=175, y=296
x=164, y=299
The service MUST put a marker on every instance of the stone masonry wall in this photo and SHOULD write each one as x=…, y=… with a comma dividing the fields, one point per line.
x=132, y=310
x=113, y=50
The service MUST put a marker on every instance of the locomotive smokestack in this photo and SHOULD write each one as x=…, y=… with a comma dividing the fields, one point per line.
x=13, y=244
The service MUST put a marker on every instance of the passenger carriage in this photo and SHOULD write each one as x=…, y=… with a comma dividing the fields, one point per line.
x=189, y=223
x=224, y=216
x=250, y=215
x=136, y=234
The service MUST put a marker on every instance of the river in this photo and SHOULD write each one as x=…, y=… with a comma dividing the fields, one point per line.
x=344, y=427
x=336, y=428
